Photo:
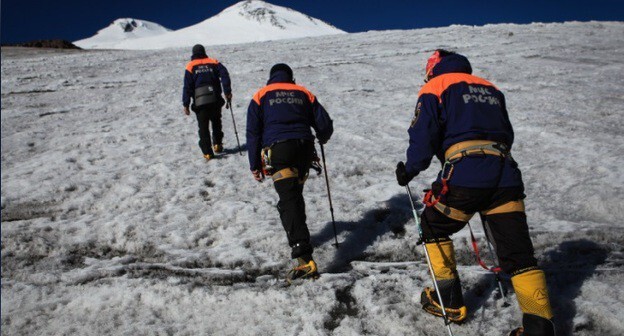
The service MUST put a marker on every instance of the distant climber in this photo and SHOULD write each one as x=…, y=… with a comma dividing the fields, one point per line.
x=203, y=79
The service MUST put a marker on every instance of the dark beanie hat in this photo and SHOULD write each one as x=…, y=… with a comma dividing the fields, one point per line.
x=198, y=50
x=281, y=67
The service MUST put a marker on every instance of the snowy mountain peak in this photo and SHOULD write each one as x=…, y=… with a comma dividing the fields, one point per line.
x=128, y=25
x=266, y=13
x=245, y=21
x=121, y=30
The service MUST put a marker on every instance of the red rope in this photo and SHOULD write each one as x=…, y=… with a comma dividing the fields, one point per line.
x=429, y=195
x=475, y=246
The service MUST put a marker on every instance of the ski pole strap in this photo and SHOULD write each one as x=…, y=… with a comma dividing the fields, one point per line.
x=476, y=147
x=475, y=247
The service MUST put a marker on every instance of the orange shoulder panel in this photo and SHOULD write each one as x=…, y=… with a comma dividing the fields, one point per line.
x=440, y=83
x=282, y=86
x=191, y=64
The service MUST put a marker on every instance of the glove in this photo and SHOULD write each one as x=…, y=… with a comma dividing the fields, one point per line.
x=316, y=163
x=228, y=100
x=186, y=110
x=401, y=174
x=258, y=175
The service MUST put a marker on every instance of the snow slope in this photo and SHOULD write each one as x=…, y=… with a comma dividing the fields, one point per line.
x=113, y=224
x=120, y=30
x=246, y=21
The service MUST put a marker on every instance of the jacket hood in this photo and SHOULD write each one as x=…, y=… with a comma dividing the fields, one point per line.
x=452, y=63
x=280, y=76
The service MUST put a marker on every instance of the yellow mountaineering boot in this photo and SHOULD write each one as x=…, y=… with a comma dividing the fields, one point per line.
x=442, y=255
x=532, y=296
x=429, y=301
x=534, y=325
x=305, y=270
x=218, y=148
x=208, y=157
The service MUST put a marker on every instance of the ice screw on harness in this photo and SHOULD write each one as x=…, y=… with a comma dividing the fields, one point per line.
x=265, y=156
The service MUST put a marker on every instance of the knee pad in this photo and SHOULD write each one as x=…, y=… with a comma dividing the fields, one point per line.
x=532, y=293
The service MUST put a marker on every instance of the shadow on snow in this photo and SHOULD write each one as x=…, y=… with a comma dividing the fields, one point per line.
x=391, y=217
x=567, y=267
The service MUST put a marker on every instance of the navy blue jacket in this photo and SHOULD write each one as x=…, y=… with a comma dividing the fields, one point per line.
x=283, y=110
x=455, y=106
x=201, y=71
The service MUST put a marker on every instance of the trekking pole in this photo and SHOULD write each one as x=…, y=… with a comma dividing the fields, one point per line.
x=331, y=207
x=240, y=151
x=435, y=283
x=494, y=256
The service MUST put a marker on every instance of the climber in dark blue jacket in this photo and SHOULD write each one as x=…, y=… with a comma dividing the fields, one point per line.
x=462, y=120
x=283, y=110
x=453, y=107
x=203, y=79
x=280, y=143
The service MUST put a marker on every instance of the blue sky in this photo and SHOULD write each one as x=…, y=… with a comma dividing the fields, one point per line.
x=24, y=20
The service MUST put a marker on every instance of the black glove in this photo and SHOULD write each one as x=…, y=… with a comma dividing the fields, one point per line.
x=401, y=174
x=228, y=101
x=316, y=163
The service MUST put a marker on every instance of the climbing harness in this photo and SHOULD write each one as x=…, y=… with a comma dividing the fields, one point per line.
x=457, y=152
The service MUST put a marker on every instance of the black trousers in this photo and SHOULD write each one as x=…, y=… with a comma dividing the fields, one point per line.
x=291, y=206
x=205, y=116
x=509, y=231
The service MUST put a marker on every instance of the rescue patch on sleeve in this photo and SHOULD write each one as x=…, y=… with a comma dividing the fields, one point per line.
x=416, y=114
